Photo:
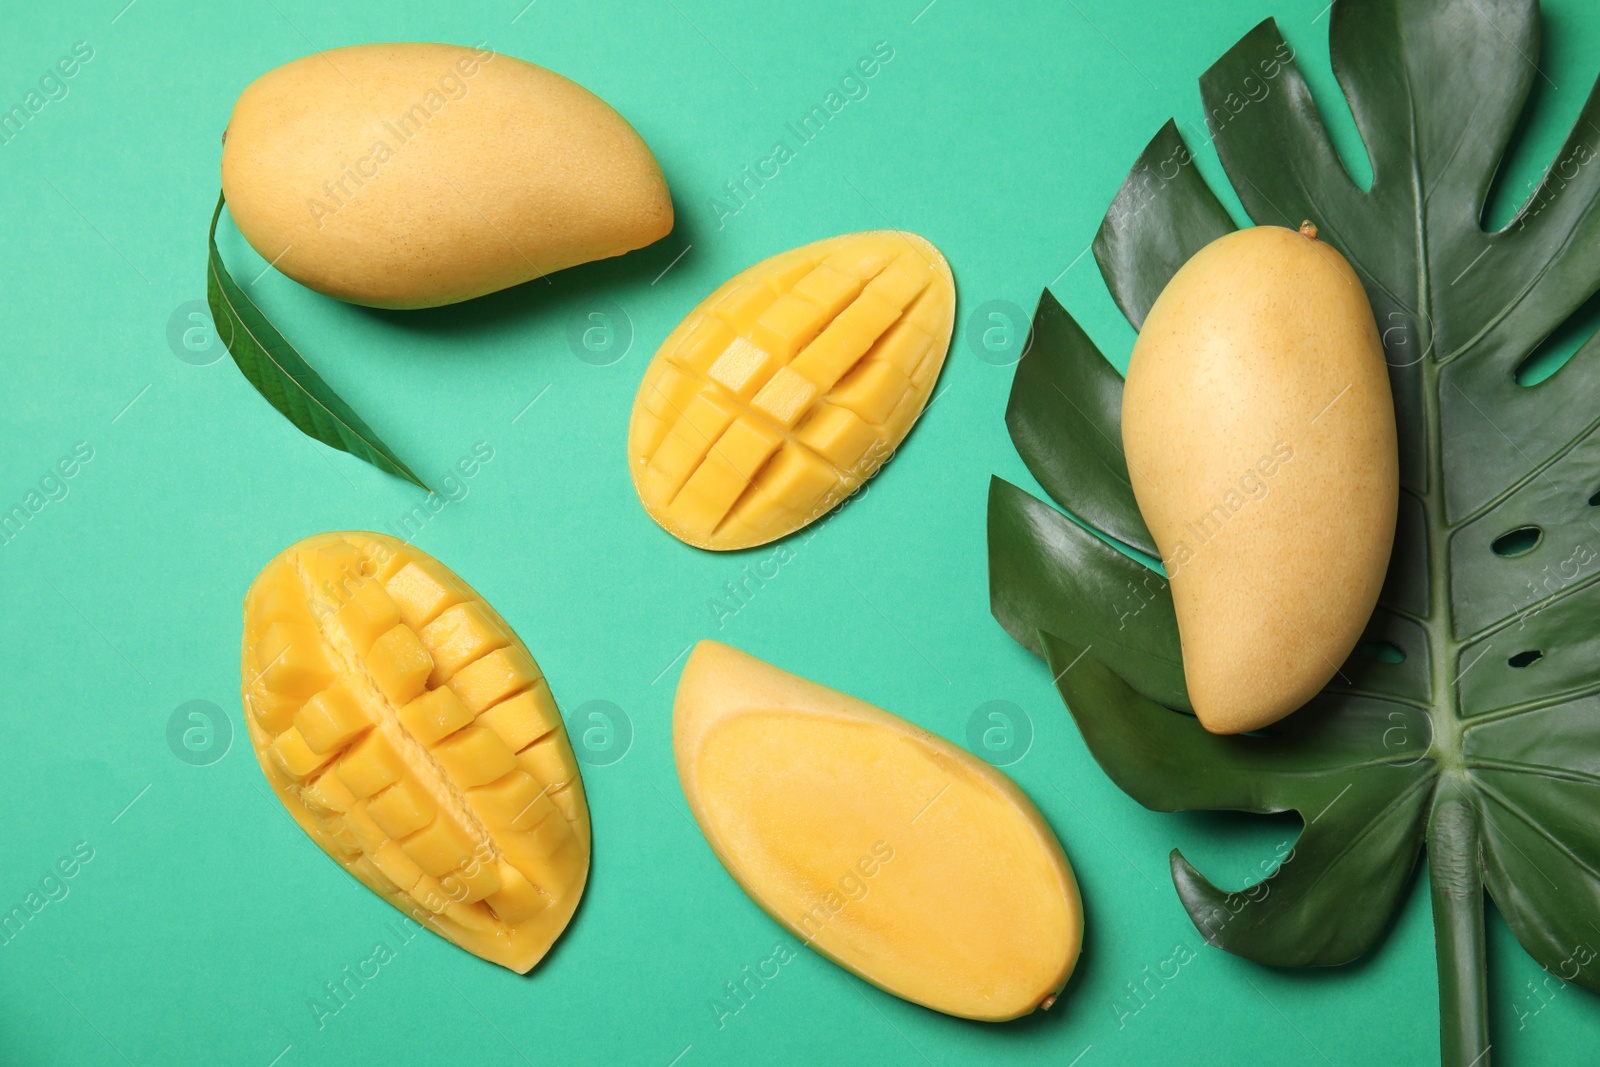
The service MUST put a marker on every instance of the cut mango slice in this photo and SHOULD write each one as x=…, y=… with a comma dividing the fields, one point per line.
x=829, y=351
x=366, y=666
x=892, y=852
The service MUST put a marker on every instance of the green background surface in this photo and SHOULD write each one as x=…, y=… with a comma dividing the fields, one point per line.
x=204, y=924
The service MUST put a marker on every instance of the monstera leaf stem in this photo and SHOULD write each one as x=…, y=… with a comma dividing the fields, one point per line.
x=1455, y=865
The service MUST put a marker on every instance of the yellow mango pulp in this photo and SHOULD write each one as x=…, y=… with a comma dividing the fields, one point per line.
x=411, y=735
x=789, y=386
x=892, y=852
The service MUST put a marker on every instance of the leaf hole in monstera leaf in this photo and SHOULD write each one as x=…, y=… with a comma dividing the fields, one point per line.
x=1382, y=651
x=1526, y=158
x=1525, y=659
x=1518, y=542
x=1594, y=501
x=1580, y=332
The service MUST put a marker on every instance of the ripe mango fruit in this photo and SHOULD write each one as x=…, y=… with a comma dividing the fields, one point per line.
x=895, y=854
x=411, y=736
x=789, y=386
x=414, y=175
x=1260, y=436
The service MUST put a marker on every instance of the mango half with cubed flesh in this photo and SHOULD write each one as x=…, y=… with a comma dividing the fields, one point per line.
x=892, y=852
x=1260, y=436
x=413, y=738
x=789, y=386
x=414, y=175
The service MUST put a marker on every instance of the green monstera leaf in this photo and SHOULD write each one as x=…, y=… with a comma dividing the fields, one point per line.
x=1468, y=722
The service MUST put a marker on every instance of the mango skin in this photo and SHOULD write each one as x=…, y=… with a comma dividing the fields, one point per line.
x=895, y=854
x=1259, y=430
x=416, y=175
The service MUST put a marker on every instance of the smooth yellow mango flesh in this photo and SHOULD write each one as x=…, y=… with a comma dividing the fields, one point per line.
x=411, y=735
x=892, y=852
x=1260, y=436
x=789, y=386
x=414, y=175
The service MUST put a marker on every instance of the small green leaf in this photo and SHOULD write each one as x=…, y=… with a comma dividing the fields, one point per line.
x=283, y=377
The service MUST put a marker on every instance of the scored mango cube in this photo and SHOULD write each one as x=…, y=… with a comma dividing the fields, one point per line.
x=333, y=718
x=734, y=460
x=364, y=664
x=474, y=756
x=400, y=665
x=441, y=846
x=905, y=347
x=403, y=808
x=461, y=634
x=701, y=345
x=292, y=660
x=395, y=865
x=517, y=899
x=328, y=794
x=297, y=758
x=472, y=882
x=872, y=390
x=785, y=327
x=523, y=719
x=900, y=282
x=368, y=614
x=741, y=306
x=369, y=835
x=434, y=715
x=373, y=763
x=517, y=801
x=430, y=894
x=796, y=367
x=799, y=478
x=670, y=391
x=744, y=368
x=549, y=762
x=837, y=434
x=494, y=677
x=422, y=589
x=785, y=398
x=828, y=288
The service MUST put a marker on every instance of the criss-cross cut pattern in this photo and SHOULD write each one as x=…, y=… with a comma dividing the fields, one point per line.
x=412, y=736
x=789, y=386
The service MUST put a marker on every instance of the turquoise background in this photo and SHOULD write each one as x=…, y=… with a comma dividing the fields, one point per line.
x=205, y=923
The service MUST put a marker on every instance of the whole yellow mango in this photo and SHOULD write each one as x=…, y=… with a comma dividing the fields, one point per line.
x=1260, y=437
x=414, y=175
